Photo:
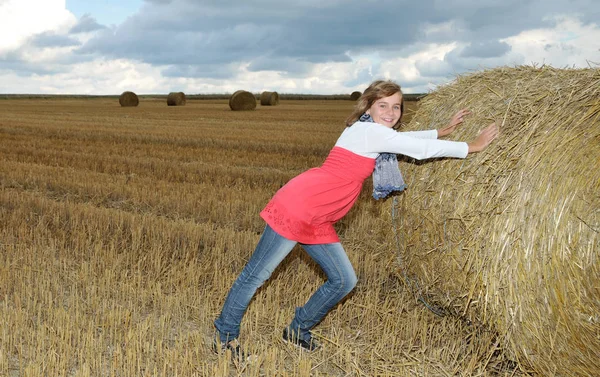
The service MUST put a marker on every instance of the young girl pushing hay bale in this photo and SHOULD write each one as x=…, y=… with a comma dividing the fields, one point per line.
x=305, y=209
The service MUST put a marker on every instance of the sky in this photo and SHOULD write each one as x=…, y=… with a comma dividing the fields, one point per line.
x=105, y=47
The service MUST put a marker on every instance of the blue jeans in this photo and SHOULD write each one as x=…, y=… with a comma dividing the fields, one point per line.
x=270, y=251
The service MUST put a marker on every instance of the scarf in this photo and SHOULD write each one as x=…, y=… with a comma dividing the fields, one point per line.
x=386, y=176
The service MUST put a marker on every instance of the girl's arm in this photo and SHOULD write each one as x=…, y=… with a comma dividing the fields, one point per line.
x=380, y=139
x=455, y=121
x=427, y=134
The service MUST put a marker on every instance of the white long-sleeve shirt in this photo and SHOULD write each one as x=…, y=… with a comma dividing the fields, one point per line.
x=370, y=139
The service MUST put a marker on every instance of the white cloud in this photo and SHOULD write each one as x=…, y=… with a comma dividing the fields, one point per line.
x=20, y=19
x=96, y=77
x=405, y=70
x=569, y=43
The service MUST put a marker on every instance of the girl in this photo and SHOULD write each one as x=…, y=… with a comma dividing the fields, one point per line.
x=305, y=209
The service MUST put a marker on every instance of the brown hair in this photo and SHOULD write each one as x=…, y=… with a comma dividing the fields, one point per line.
x=377, y=90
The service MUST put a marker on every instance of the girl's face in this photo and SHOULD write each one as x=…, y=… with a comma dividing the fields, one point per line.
x=386, y=111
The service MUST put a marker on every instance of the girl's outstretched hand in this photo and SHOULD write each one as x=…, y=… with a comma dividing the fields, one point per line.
x=485, y=137
x=454, y=122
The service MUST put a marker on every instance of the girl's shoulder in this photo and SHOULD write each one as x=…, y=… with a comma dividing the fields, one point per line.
x=362, y=126
x=374, y=129
x=364, y=132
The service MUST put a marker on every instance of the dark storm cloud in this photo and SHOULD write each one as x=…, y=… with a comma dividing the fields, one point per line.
x=86, y=24
x=273, y=36
x=289, y=36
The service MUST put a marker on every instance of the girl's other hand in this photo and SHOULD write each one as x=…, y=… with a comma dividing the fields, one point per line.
x=454, y=122
x=485, y=137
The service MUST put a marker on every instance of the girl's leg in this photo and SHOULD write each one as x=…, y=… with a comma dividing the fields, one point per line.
x=270, y=251
x=341, y=279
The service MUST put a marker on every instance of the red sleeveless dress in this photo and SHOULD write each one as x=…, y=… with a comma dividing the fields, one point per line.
x=305, y=209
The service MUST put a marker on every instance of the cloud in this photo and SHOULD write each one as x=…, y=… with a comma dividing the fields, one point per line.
x=565, y=41
x=200, y=34
x=214, y=71
x=49, y=39
x=19, y=63
x=86, y=24
x=570, y=42
x=434, y=68
x=488, y=49
x=280, y=64
x=289, y=36
x=311, y=46
x=20, y=19
x=363, y=72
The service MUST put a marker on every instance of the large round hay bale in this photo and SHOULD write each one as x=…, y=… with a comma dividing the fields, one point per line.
x=269, y=99
x=176, y=99
x=355, y=95
x=129, y=99
x=242, y=100
x=509, y=238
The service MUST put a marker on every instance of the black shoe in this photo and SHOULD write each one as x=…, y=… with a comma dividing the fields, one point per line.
x=233, y=346
x=291, y=337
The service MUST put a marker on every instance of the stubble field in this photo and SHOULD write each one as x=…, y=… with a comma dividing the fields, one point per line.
x=122, y=229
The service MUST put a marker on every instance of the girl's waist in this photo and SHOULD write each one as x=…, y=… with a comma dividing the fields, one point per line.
x=348, y=165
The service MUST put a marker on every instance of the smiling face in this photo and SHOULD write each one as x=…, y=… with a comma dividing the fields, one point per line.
x=387, y=110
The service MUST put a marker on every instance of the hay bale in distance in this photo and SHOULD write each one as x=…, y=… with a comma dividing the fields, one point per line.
x=509, y=237
x=269, y=99
x=242, y=100
x=129, y=99
x=176, y=99
x=355, y=95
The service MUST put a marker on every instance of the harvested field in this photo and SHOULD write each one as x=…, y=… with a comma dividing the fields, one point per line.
x=122, y=228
